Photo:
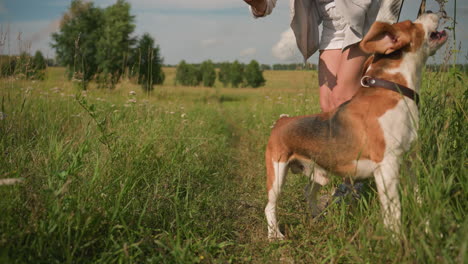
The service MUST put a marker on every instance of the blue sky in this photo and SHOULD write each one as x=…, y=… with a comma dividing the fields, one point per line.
x=193, y=30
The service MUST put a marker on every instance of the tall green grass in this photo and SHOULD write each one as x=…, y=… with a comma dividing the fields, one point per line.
x=177, y=176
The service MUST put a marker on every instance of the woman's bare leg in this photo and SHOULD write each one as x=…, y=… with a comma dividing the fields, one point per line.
x=339, y=75
x=329, y=63
x=349, y=74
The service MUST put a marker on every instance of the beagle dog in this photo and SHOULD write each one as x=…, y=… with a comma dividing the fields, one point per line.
x=366, y=135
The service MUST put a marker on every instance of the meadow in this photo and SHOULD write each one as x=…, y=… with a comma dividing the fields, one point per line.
x=177, y=176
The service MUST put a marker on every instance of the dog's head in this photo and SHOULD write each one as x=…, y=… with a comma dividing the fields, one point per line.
x=419, y=37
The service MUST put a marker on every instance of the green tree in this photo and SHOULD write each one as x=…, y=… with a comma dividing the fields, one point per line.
x=181, y=73
x=195, y=75
x=148, y=63
x=188, y=74
x=254, y=75
x=115, y=42
x=39, y=62
x=208, y=73
x=75, y=43
x=265, y=67
x=236, y=74
x=39, y=65
x=224, y=74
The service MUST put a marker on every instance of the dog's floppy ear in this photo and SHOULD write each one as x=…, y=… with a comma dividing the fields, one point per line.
x=366, y=64
x=384, y=38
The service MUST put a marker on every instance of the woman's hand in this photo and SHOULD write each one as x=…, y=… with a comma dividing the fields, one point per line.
x=258, y=6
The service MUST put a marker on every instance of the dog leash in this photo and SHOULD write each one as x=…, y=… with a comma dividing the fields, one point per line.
x=368, y=81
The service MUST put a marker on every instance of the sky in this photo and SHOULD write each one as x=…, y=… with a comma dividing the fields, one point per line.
x=195, y=30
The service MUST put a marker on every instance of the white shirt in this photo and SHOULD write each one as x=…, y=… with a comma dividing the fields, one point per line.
x=359, y=15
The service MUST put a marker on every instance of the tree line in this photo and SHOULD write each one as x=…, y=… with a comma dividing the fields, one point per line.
x=96, y=44
x=233, y=74
x=24, y=66
x=267, y=67
x=294, y=66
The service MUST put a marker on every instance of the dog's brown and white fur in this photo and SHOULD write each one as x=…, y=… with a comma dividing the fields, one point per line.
x=364, y=136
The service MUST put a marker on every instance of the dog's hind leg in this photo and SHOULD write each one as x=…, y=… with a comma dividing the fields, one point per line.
x=317, y=179
x=386, y=179
x=276, y=173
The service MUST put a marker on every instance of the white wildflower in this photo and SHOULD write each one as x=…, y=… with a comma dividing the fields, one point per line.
x=2, y=115
x=10, y=181
x=132, y=93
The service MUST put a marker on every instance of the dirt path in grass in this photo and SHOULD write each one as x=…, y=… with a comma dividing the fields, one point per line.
x=249, y=179
x=250, y=196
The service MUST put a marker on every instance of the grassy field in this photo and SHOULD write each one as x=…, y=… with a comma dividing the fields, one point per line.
x=177, y=176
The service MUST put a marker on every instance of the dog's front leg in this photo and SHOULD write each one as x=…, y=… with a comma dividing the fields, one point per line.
x=386, y=179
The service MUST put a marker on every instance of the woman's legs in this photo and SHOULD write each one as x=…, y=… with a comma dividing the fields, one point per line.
x=329, y=63
x=339, y=79
x=339, y=75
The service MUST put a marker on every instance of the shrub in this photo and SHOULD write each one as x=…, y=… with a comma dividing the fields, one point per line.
x=7, y=65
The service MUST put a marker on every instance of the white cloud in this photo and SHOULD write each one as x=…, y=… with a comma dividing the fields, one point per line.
x=248, y=52
x=286, y=48
x=205, y=43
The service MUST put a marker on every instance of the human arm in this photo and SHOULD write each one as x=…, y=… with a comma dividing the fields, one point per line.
x=261, y=8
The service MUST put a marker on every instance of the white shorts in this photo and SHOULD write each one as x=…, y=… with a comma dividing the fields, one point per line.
x=333, y=27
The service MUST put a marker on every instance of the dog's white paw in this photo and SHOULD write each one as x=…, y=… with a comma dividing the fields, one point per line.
x=275, y=236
